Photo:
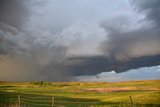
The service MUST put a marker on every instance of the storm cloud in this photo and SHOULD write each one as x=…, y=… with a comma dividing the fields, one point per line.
x=134, y=47
x=25, y=50
x=58, y=40
x=14, y=13
x=127, y=45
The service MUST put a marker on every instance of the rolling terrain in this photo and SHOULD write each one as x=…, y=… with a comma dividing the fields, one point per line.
x=71, y=94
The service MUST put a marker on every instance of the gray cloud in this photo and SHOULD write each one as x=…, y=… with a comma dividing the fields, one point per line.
x=136, y=47
x=50, y=43
x=151, y=9
x=27, y=52
x=30, y=58
x=127, y=45
x=13, y=12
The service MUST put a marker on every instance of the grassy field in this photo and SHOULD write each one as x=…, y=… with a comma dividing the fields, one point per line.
x=81, y=94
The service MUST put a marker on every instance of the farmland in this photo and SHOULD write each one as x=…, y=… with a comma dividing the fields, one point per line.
x=144, y=93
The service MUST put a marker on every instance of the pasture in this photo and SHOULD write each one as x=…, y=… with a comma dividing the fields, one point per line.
x=144, y=93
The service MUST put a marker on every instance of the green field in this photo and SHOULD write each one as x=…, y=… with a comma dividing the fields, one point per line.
x=81, y=94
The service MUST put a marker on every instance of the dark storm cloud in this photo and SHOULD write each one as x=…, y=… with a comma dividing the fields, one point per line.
x=27, y=54
x=126, y=49
x=135, y=48
x=33, y=50
x=13, y=12
x=136, y=43
x=151, y=9
x=87, y=65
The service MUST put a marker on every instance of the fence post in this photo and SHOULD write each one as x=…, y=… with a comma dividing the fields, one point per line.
x=9, y=102
x=131, y=100
x=52, y=101
x=19, y=101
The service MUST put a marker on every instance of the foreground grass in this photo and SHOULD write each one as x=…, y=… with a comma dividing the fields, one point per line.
x=99, y=93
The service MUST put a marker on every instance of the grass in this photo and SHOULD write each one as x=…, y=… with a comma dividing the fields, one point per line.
x=71, y=94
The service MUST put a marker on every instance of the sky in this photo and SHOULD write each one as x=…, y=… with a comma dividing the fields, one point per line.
x=60, y=40
x=143, y=73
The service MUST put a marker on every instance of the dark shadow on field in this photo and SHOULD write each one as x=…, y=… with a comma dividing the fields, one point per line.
x=13, y=99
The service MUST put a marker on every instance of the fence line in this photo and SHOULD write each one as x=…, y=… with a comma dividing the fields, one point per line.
x=40, y=101
x=49, y=101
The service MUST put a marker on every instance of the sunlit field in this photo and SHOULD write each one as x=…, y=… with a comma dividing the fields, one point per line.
x=80, y=94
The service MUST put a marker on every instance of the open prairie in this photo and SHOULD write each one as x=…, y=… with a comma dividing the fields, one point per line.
x=70, y=94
